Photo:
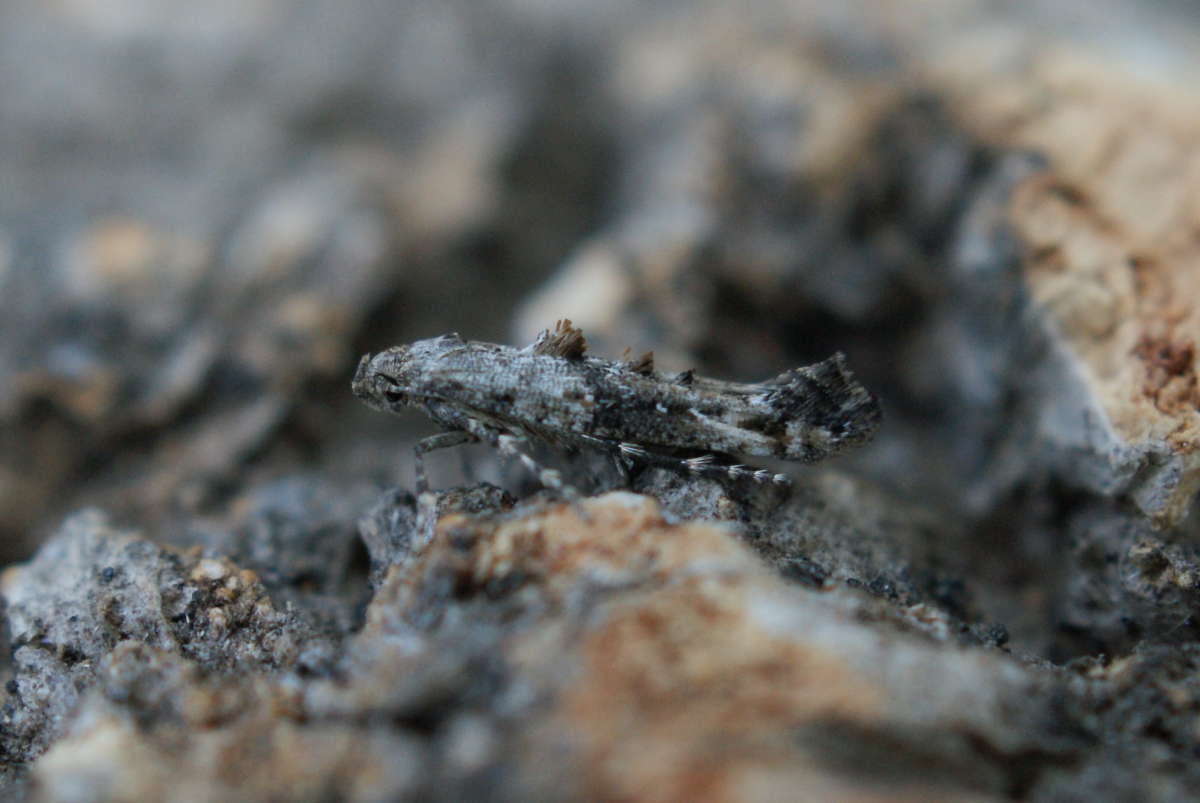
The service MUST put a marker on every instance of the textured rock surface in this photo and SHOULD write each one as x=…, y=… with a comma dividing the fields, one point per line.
x=633, y=649
x=93, y=590
x=207, y=214
x=1108, y=260
x=652, y=659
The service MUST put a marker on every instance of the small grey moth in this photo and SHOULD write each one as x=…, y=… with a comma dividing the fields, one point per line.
x=552, y=391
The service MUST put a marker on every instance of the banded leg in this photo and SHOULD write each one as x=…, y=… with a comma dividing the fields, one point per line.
x=512, y=446
x=704, y=465
x=610, y=449
x=443, y=440
x=515, y=446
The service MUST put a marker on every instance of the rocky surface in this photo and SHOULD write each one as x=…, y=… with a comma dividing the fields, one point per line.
x=651, y=658
x=220, y=584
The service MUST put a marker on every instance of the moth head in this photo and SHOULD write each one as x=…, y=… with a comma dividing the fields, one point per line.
x=405, y=375
x=379, y=380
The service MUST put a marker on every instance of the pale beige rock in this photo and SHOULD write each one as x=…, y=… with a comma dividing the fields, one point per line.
x=1109, y=256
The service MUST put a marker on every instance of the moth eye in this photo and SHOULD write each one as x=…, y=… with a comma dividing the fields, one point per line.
x=393, y=396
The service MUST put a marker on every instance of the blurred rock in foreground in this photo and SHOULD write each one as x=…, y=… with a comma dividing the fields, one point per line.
x=650, y=659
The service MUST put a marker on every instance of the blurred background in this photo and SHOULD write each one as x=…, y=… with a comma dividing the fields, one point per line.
x=208, y=211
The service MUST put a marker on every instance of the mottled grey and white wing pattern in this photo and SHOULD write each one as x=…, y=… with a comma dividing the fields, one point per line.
x=553, y=391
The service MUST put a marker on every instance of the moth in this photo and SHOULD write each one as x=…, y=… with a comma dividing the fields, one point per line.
x=553, y=392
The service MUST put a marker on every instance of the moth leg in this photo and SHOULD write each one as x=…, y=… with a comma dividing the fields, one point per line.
x=613, y=454
x=426, y=520
x=443, y=440
x=511, y=445
x=623, y=467
x=704, y=465
x=467, y=467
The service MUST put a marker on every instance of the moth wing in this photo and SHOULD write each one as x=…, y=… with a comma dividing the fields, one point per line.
x=823, y=404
